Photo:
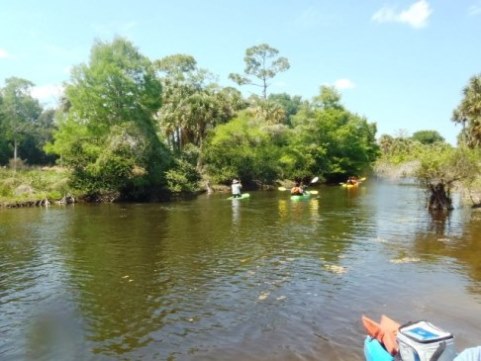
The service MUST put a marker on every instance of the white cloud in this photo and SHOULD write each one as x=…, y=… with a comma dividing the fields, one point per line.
x=475, y=9
x=416, y=15
x=344, y=84
x=4, y=54
x=49, y=93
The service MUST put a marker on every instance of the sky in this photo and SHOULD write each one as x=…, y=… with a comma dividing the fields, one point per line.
x=401, y=64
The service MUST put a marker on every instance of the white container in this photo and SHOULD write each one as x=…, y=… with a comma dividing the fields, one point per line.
x=420, y=340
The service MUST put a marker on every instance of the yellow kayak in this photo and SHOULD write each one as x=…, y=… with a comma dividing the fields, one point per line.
x=353, y=185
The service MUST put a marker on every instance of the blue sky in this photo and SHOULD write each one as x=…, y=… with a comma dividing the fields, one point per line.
x=400, y=63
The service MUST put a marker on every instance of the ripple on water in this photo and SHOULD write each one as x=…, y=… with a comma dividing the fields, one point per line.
x=264, y=280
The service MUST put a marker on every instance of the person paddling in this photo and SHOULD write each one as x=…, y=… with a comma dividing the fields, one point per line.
x=297, y=190
x=236, y=188
x=352, y=180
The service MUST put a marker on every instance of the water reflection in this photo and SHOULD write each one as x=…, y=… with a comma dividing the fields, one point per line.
x=314, y=208
x=235, y=211
x=439, y=222
x=282, y=209
x=211, y=279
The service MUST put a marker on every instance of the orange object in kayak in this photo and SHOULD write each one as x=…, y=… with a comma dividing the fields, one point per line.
x=385, y=332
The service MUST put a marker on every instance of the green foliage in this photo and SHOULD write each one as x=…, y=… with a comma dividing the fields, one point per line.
x=191, y=107
x=242, y=148
x=325, y=141
x=18, y=112
x=435, y=163
x=178, y=66
x=32, y=146
x=290, y=104
x=5, y=150
x=184, y=177
x=468, y=113
x=397, y=150
x=328, y=98
x=443, y=163
x=268, y=111
x=427, y=137
x=335, y=141
x=436, y=166
x=108, y=136
x=34, y=184
x=262, y=62
x=441, y=167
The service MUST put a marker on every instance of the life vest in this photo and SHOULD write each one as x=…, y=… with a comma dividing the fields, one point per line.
x=296, y=190
x=385, y=332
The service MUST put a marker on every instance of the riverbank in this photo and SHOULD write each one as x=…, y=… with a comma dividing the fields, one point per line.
x=35, y=187
x=45, y=186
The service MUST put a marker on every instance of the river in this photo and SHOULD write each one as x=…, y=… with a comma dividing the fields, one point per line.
x=263, y=278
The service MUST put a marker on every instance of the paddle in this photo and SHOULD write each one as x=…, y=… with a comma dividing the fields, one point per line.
x=314, y=180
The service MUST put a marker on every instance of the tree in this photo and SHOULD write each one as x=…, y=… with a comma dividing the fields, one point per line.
x=38, y=135
x=19, y=111
x=336, y=142
x=427, y=137
x=269, y=111
x=4, y=147
x=468, y=113
x=262, y=63
x=324, y=140
x=328, y=98
x=437, y=167
x=290, y=104
x=108, y=134
x=177, y=67
x=242, y=148
x=441, y=168
x=192, y=104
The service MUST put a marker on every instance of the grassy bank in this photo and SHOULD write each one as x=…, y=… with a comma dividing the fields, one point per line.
x=33, y=186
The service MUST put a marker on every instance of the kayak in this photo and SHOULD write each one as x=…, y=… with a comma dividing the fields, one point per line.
x=374, y=351
x=420, y=341
x=301, y=197
x=243, y=196
x=353, y=185
x=345, y=185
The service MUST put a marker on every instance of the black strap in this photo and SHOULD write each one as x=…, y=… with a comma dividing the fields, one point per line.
x=409, y=323
x=438, y=352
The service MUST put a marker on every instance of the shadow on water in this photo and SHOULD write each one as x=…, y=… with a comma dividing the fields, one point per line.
x=263, y=278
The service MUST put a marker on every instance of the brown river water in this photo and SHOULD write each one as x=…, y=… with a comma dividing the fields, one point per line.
x=263, y=278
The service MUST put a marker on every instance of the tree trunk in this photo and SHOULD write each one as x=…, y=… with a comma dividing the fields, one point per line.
x=15, y=146
x=440, y=199
x=199, y=158
x=264, y=88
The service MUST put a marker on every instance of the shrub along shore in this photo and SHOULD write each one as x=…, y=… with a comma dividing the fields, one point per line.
x=46, y=186
x=35, y=187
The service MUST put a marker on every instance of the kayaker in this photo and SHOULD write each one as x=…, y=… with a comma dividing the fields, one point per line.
x=297, y=190
x=352, y=180
x=236, y=188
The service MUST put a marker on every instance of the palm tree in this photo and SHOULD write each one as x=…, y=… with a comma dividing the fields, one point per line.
x=468, y=113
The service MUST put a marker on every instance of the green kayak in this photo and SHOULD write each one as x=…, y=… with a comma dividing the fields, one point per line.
x=306, y=195
x=243, y=196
